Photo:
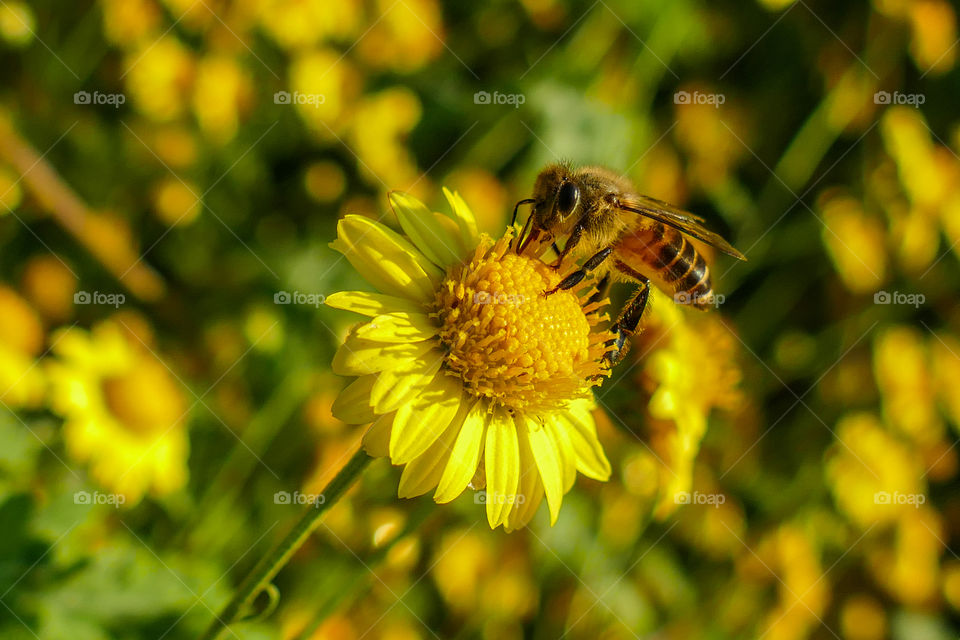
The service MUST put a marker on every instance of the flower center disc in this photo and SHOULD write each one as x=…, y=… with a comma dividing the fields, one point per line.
x=510, y=343
x=144, y=399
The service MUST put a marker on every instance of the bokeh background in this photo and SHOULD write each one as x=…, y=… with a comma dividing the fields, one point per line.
x=171, y=172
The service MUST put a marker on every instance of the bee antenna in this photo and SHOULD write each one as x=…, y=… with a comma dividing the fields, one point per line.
x=524, y=201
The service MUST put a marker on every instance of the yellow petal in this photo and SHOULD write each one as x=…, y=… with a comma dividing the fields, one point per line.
x=591, y=460
x=353, y=403
x=371, y=304
x=465, y=219
x=376, y=441
x=568, y=457
x=465, y=455
x=417, y=426
x=502, y=463
x=398, y=327
x=550, y=465
x=423, y=472
x=394, y=388
x=529, y=488
x=453, y=231
x=357, y=357
x=385, y=259
x=418, y=223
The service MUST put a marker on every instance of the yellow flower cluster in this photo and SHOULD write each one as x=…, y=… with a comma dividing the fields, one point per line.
x=168, y=80
x=880, y=467
x=916, y=187
x=690, y=366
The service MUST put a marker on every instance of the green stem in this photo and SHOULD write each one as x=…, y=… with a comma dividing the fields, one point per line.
x=268, y=567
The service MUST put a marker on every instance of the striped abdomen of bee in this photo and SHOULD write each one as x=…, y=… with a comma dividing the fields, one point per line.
x=671, y=261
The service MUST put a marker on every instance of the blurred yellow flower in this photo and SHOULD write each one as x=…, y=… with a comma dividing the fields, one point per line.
x=49, y=285
x=911, y=570
x=804, y=593
x=468, y=373
x=945, y=355
x=10, y=192
x=907, y=139
x=130, y=22
x=17, y=23
x=297, y=24
x=124, y=414
x=159, y=75
x=475, y=573
x=872, y=474
x=934, y=29
x=692, y=372
x=902, y=369
x=381, y=124
x=21, y=340
x=863, y=618
x=404, y=35
x=176, y=202
x=712, y=132
x=221, y=92
x=324, y=181
x=855, y=242
x=323, y=87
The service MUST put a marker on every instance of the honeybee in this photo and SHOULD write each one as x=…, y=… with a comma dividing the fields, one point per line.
x=628, y=237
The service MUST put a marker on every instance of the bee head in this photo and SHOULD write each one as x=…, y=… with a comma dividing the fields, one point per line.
x=556, y=196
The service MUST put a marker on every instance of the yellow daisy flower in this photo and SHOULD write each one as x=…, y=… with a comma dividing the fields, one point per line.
x=469, y=375
x=123, y=411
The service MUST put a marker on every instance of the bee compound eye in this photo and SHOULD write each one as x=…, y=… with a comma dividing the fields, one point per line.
x=567, y=198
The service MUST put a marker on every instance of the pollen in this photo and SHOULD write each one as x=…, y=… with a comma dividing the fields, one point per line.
x=508, y=341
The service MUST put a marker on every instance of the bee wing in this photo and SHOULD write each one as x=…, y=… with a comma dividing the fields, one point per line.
x=681, y=220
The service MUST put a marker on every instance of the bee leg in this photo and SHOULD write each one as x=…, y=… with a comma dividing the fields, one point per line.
x=602, y=287
x=626, y=324
x=577, y=276
x=572, y=241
